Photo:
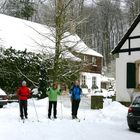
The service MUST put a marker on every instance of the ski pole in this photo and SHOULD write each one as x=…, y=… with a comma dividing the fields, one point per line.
x=19, y=108
x=84, y=114
x=47, y=109
x=61, y=107
x=35, y=110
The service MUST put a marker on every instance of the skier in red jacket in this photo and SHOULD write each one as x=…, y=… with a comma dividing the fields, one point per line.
x=23, y=94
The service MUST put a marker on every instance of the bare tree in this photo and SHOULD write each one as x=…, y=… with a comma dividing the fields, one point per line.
x=105, y=27
x=2, y=6
x=63, y=24
x=133, y=7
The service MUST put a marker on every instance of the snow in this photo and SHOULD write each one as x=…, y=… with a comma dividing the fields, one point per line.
x=35, y=91
x=101, y=92
x=2, y=92
x=103, y=124
x=74, y=42
x=22, y=34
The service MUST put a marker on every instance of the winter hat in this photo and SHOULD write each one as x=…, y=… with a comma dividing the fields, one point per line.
x=23, y=82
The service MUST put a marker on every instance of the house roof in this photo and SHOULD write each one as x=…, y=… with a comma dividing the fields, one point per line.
x=125, y=37
x=22, y=34
x=78, y=45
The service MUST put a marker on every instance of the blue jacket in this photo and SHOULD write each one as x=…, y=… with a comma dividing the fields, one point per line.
x=75, y=92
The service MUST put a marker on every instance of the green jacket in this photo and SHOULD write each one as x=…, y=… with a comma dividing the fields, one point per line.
x=52, y=94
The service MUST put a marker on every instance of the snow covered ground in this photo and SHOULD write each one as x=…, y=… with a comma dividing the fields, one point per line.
x=108, y=123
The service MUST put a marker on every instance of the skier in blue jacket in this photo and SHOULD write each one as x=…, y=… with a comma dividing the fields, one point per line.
x=75, y=93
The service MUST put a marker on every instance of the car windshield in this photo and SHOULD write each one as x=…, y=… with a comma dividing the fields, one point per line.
x=137, y=101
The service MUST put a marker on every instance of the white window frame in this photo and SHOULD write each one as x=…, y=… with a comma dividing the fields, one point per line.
x=85, y=58
x=94, y=80
x=83, y=79
x=137, y=89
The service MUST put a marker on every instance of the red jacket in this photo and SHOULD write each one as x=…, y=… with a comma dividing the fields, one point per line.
x=23, y=93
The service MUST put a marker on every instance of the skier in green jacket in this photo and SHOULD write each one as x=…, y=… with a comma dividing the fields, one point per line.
x=52, y=93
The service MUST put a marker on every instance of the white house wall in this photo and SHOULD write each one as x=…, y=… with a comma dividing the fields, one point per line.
x=136, y=31
x=121, y=72
x=134, y=42
x=89, y=79
x=121, y=62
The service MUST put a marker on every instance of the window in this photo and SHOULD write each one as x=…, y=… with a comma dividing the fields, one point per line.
x=83, y=80
x=137, y=100
x=85, y=58
x=133, y=75
x=94, y=81
x=137, y=75
x=94, y=60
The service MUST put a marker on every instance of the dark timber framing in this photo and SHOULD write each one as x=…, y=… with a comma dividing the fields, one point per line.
x=118, y=49
x=129, y=47
x=129, y=50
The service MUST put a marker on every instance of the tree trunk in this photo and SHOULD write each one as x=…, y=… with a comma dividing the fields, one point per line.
x=59, y=27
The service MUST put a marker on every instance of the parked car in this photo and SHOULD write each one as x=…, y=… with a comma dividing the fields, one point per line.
x=3, y=98
x=12, y=98
x=133, y=116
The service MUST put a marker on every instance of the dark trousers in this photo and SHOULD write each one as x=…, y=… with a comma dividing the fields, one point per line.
x=54, y=104
x=75, y=106
x=23, y=108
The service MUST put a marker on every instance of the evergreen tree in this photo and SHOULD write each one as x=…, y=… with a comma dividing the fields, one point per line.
x=42, y=81
x=17, y=66
x=20, y=8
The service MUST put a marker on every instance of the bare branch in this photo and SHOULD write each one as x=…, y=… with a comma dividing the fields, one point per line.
x=34, y=83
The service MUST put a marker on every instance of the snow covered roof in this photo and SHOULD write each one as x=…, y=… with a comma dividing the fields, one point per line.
x=106, y=79
x=21, y=34
x=78, y=45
